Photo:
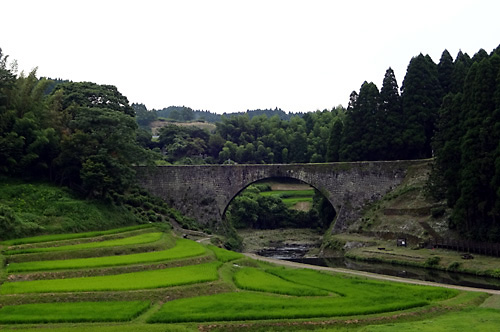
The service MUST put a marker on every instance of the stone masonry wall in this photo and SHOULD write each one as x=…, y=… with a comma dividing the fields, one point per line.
x=204, y=192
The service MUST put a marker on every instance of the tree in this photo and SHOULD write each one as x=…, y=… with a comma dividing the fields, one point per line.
x=460, y=68
x=361, y=139
x=421, y=97
x=390, y=119
x=334, y=141
x=445, y=71
x=467, y=149
x=99, y=145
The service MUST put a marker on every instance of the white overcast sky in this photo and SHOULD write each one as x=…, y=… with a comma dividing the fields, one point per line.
x=232, y=55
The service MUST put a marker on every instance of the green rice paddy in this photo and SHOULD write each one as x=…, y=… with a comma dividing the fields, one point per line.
x=138, y=239
x=72, y=236
x=127, y=281
x=72, y=312
x=183, y=249
x=258, y=280
x=206, y=284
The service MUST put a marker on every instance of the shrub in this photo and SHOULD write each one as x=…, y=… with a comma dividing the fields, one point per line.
x=432, y=261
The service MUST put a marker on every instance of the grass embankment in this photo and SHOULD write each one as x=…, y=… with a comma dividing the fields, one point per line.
x=383, y=251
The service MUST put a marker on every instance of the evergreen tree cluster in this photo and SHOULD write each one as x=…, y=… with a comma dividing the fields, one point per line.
x=467, y=144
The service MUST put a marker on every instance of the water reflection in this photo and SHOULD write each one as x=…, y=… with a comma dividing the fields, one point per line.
x=410, y=272
x=295, y=253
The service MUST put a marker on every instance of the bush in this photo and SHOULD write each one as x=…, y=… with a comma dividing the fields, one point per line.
x=432, y=261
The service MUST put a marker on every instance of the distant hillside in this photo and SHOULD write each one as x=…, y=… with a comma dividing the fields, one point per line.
x=183, y=113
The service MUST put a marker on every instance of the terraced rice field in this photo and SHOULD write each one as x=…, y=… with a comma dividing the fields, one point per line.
x=183, y=286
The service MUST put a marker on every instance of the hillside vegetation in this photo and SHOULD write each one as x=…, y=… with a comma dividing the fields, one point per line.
x=37, y=208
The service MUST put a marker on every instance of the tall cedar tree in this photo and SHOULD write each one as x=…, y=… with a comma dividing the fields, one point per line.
x=474, y=212
x=445, y=71
x=362, y=135
x=390, y=118
x=421, y=96
x=467, y=147
x=460, y=68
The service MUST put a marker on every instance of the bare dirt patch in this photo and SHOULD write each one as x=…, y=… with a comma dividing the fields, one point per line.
x=290, y=186
x=302, y=206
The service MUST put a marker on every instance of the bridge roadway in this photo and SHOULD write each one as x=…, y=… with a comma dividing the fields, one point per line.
x=204, y=192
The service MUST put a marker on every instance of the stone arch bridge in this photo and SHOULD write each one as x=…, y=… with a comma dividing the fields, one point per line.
x=204, y=192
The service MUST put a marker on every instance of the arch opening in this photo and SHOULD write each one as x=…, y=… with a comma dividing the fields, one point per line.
x=280, y=217
x=280, y=202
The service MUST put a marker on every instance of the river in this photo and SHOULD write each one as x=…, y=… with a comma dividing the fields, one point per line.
x=295, y=253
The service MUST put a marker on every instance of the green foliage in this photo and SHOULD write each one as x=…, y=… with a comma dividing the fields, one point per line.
x=467, y=171
x=421, y=97
x=110, y=311
x=254, y=208
x=39, y=208
x=175, y=276
x=432, y=261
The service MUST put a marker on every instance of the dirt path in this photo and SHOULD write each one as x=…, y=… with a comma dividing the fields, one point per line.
x=369, y=275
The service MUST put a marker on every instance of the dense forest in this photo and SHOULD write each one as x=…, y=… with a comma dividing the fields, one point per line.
x=88, y=137
x=183, y=113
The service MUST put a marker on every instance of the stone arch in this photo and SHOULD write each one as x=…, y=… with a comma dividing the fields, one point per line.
x=203, y=192
x=246, y=185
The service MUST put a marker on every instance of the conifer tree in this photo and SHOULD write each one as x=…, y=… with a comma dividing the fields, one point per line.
x=362, y=137
x=445, y=71
x=460, y=68
x=421, y=97
x=390, y=118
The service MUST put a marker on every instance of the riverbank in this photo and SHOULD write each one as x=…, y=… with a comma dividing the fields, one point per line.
x=368, y=274
x=373, y=250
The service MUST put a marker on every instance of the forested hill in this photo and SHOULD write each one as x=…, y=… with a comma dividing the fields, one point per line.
x=87, y=136
x=183, y=113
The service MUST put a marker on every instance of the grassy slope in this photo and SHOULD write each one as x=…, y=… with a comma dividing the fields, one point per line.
x=379, y=228
x=42, y=208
